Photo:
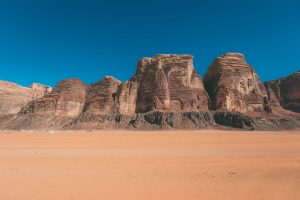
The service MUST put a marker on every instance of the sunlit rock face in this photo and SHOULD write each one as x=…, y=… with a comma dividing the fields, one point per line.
x=233, y=85
x=169, y=83
x=39, y=90
x=101, y=97
x=66, y=100
x=13, y=96
x=126, y=97
x=286, y=91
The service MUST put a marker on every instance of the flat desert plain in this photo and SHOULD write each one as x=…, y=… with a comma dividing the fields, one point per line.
x=205, y=164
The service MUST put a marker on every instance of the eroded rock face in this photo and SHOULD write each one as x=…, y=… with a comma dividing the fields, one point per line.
x=101, y=97
x=234, y=86
x=165, y=93
x=40, y=90
x=273, y=91
x=66, y=100
x=286, y=91
x=126, y=97
x=13, y=96
x=169, y=83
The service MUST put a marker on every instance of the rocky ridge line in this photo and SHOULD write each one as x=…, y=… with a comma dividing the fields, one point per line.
x=166, y=93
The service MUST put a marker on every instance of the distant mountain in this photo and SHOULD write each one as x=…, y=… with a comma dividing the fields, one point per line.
x=13, y=96
x=165, y=93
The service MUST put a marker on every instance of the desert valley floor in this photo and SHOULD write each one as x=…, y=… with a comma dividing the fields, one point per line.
x=205, y=164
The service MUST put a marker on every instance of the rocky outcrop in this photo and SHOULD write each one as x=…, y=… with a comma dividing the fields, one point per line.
x=39, y=90
x=171, y=120
x=273, y=90
x=146, y=121
x=101, y=97
x=126, y=97
x=169, y=83
x=165, y=93
x=234, y=86
x=65, y=100
x=286, y=91
x=13, y=96
x=246, y=122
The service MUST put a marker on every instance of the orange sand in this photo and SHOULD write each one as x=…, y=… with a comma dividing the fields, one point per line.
x=150, y=165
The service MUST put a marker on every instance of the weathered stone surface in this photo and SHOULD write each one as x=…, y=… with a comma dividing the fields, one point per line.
x=13, y=96
x=66, y=99
x=126, y=97
x=273, y=92
x=235, y=120
x=169, y=83
x=233, y=85
x=286, y=91
x=253, y=122
x=146, y=121
x=34, y=122
x=171, y=120
x=88, y=121
x=165, y=93
x=40, y=90
x=101, y=97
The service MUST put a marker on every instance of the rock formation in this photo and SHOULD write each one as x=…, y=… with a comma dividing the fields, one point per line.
x=286, y=91
x=101, y=97
x=126, y=98
x=66, y=99
x=39, y=90
x=165, y=93
x=13, y=96
x=169, y=83
x=234, y=86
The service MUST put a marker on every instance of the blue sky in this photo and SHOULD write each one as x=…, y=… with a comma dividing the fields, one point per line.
x=49, y=40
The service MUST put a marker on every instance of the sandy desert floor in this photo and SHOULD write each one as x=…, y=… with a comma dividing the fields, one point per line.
x=150, y=165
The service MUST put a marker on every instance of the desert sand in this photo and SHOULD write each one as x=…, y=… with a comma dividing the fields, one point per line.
x=206, y=164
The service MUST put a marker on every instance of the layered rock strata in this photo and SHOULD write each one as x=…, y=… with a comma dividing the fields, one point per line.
x=286, y=91
x=65, y=100
x=165, y=93
x=101, y=96
x=169, y=83
x=234, y=86
x=13, y=96
x=126, y=97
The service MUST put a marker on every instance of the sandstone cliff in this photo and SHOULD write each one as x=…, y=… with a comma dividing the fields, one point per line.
x=169, y=83
x=165, y=93
x=126, y=97
x=13, y=96
x=286, y=91
x=234, y=86
x=100, y=97
x=66, y=99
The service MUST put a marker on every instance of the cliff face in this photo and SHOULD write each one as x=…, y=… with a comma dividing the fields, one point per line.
x=169, y=82
x=286, y=91
x=165, y=93
x=100, y=97
x=233, y=85
x=66, y=99
x=13, y=96
x=126, y=98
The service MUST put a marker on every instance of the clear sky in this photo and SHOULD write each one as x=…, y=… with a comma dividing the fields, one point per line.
x=49, y=40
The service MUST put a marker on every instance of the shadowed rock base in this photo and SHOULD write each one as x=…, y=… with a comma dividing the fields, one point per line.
x=150, y=121
x=238, y=120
